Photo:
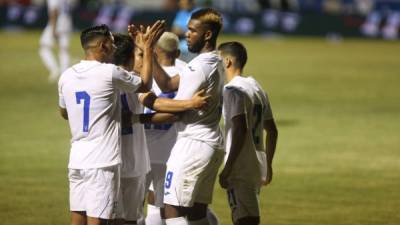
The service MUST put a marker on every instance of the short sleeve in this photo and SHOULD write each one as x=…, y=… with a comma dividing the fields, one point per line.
x=61, y=101
x=234, y=103
x=124, y=80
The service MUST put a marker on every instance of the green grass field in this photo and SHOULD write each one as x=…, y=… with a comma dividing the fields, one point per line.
x=337, y=107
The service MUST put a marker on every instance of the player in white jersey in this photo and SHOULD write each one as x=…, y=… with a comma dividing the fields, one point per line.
x=196, y=156
x=89, y=100
x=161, y=137
x=57, y=33
x=135, y=159
x=247, y=112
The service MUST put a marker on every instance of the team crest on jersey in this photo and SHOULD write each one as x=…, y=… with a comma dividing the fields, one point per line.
x=191, y=69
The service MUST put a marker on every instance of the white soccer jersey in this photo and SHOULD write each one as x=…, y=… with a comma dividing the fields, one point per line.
x=245, y=96
x=64, y=22
x=89, y=92
x=203, y=72
x=135, y=155
x=162, y=137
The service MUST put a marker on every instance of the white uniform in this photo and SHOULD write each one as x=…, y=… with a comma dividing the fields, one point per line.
x=63, y=30
x=160, y=139
x=245, y=96
x=135, y=159
x=195, y=158
x=89, y=93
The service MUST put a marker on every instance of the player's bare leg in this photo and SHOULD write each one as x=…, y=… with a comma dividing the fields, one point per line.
x=78, y=218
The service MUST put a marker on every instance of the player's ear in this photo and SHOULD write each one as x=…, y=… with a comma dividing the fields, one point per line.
x=208, y=35
x=228, y=62
x=177, y=53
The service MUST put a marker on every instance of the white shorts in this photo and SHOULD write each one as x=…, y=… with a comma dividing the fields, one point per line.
x=243, y=201
x=47, y=38
x=94, y=191
x=131, y=198
x=192, y=169
x=156, y=178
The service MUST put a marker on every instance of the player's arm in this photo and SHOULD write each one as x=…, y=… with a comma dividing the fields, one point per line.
x=150, y=100
x=156, y=118
x=270, y=143
x=146, y=39
x=165, y=82
x=63, y=113
x=239, y=131
x=53, y=16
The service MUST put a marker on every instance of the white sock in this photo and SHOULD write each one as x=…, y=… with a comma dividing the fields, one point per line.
x=64, y=59
x=177, y=221
x=211, y=217
x=48, y=59
x=203, y=221
x=153, y=215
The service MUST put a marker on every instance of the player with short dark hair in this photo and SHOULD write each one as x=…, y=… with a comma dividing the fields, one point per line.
x=89, y=100
x=247, y=112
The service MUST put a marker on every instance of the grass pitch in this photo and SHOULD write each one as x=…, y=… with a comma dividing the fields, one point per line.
x=337, y=109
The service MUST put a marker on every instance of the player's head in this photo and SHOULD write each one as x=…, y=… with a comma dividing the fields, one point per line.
x=100, y=41
x=167, y=47
x=203, y=29
x=124, y=53
x=233, y=54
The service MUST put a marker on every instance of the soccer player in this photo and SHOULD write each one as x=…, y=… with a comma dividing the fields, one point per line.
x=247, y=112
x=56, y=33
x=198, y=152
x=89, y=100
x=161, y=137
x=135, y=156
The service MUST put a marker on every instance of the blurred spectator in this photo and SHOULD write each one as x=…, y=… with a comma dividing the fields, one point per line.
x=179, y=26
x=56, y=34
x=281, y=13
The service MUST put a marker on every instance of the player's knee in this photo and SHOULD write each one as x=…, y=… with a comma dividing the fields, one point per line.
x=251, y=220
x=172, y=211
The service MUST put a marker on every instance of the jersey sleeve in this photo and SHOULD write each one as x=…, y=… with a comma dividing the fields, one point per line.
x=191, y=80
x=124, y=80
x=234, y=102
x=61, y=101
x=267, y=110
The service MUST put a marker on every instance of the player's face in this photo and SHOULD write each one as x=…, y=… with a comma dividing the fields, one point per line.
x=138, y=60
x=195, y=36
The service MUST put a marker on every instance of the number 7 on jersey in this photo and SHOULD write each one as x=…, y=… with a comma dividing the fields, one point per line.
x=83, y=95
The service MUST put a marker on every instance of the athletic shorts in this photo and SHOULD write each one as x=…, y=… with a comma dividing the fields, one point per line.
x=131, y=197
x=243, y=201
x=156, y=178
x=94, y=191
x=192, y=169
x=47, y=38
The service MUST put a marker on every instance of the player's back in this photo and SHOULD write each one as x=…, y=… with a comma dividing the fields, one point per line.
x=93, y=113
x=246, y=95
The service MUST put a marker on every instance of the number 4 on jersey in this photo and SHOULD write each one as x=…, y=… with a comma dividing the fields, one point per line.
x=83, y=95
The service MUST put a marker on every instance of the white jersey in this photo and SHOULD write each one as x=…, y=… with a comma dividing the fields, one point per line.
x=64, y=22
x=162, y=137
x=89, y=92
x=135, y=155
x=203, y=72
x=245, y=96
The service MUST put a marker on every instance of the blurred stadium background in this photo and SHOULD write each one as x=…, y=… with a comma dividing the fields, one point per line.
x=330, y=67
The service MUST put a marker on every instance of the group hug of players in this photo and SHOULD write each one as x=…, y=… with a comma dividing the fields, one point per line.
x=144, y=122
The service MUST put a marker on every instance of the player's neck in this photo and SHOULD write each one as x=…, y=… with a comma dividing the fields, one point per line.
x=94, y=56
x=232, y=73
x=208, y=47
x=167, y=62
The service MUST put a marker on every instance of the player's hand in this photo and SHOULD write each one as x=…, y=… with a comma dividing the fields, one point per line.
x=223, y=178
x=146, y=37
x=269, y=176
x=200, y=100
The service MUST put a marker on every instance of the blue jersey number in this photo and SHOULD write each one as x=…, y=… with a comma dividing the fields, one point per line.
x=257, y=113
x=168, y=179
x=83, y=95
